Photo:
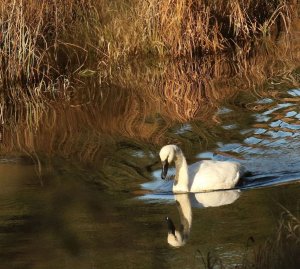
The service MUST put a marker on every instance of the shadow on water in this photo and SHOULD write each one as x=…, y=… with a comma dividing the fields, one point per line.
x=70, y=170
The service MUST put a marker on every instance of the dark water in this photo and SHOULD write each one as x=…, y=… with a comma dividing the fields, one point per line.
x=78, y=215
x=71, y=224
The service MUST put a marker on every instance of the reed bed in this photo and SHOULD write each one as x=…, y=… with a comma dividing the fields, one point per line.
x=30, y=46
x=193, y=28
x=46, y=43
x=116, y=110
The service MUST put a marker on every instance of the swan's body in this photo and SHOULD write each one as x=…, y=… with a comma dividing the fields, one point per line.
x=205, y=175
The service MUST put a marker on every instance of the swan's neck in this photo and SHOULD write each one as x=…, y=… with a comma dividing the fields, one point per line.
x=181, y=183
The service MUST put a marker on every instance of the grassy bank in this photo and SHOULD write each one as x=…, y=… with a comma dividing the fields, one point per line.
x=44, y=45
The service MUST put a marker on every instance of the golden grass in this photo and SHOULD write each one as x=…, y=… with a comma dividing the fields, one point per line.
x=193, y=28
x=46, y=44
x=29, y=39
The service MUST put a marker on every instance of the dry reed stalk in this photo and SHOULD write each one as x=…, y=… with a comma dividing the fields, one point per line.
x=192, y=28
x=29, y=45
x=283, y=250
x=39, y=37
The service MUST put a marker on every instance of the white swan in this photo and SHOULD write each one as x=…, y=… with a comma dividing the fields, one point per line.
x=178, y=238
x=205, y=175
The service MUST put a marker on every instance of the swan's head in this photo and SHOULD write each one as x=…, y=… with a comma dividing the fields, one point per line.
x=175, y=238
x=167, y=155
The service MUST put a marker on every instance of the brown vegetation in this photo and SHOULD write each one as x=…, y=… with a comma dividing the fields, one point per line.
x=45, y=43
x=190, y=28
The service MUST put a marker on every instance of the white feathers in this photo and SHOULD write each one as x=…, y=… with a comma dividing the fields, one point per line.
x=206, y=175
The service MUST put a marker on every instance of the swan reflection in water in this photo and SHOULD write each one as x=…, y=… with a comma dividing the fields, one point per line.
x=185, y=202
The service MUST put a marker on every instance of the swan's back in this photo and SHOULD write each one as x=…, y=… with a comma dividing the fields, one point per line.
x=213, y=175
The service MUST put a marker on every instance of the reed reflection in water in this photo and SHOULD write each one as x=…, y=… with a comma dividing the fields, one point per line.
x=144, y=103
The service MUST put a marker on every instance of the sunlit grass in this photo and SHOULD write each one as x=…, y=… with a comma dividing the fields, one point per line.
x=43, y=43
x=192, y=28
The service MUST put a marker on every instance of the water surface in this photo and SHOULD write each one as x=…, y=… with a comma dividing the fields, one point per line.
x=80, y=182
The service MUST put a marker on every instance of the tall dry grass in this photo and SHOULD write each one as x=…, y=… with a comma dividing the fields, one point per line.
x=44, y=45
x=193, y=28
x=30, y=33
x=183, y=28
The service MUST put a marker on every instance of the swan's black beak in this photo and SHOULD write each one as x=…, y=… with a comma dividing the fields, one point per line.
x=164, y=172
x=171, y=226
